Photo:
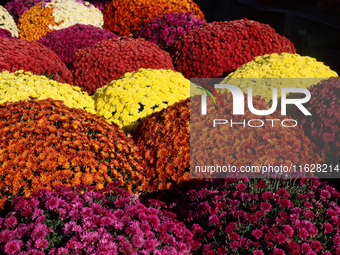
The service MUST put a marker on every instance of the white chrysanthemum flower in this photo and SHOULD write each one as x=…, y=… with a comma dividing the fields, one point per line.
x=7, y=22
x=71, y=12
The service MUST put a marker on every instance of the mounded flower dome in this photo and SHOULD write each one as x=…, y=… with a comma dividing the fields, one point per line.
x=130, y=99
x=24, y=85
x=108, y=60
x=220, y=47
x=65, y=42
x=32, y=57
x=45, y=144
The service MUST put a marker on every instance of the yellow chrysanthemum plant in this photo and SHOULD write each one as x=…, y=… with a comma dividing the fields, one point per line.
x=22, y=85
x=136, y=95
x=277, y=71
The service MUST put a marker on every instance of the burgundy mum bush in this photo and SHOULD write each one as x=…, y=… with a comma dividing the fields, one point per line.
x=33, y=57
x=6, y=33
x=168, y=27
x=219, y=48
x=18, y=7
x=323, y=127
x=65, y=42
x=263, y=216
x=85, y=220
x=108, y=60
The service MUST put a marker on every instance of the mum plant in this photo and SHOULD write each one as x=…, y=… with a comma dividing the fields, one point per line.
x=127, y=16
x=55, y=15
x=45, y=144
x=86, y=220
x=168, y=27
x=33, y=57
x=323, y=127
x=262, y=216
x=7, y=22
x=65, y=42
x=131, y=98
x=108, y=60
x=23, y=85
x=219, y=48
x=277, y=71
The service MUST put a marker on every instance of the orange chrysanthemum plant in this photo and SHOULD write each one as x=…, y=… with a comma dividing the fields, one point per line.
x=45, y=143
x=167, y=140
x=127, y=16
x=33, y=24
x=164, y=141
x=248, y=139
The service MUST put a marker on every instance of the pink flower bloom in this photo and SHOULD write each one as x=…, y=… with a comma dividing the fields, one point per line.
x=303, y=233
x=309, y=214
x=328, y=228
x=288, y=230
x=316, y=245
x=13, y=246
x=41, y=244
x=265, y=206
x=281, y=238
x=241, y=186
x=305, y=247
x=10, y=222
x=257, y=233
x=234, y=236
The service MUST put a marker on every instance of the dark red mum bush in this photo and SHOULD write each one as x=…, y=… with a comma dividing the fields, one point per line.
x=323, y=127
x=262, y=216
x=96, y=66
x=33, y=57
x=219, y=48
x=6, y=33
x=65, y=42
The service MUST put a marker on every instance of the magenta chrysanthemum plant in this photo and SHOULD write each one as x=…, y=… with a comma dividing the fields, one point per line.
x=18, y=7
x=165, y=29
x=84, y=220
x=65, y=42
x=263, y=216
